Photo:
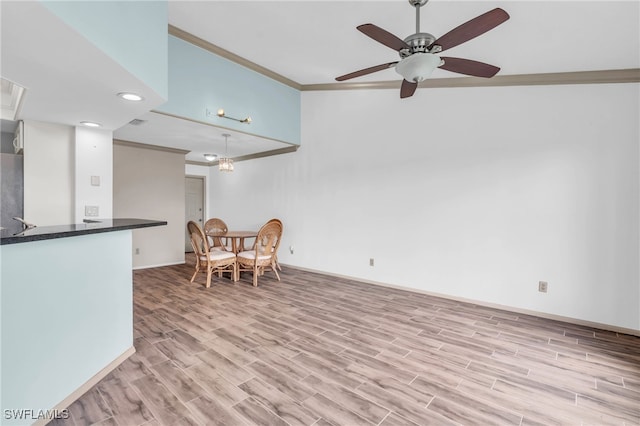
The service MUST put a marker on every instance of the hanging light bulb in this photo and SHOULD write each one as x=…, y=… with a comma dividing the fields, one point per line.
x=225, y=164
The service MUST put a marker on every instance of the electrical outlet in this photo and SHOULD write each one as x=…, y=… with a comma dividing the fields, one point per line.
x=137, y=251
x=91, y=211
x=371, y=262
x=542, y=286
x=291, y=249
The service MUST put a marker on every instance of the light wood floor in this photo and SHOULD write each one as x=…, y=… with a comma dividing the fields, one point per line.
x=319, y=350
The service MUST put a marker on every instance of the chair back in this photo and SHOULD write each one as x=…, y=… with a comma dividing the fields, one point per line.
x=199, y=241
x=215, y=226
x=268, y=239
x=276, y=220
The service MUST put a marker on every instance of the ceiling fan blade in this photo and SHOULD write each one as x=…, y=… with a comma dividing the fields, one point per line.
x=407, y=89
x=469, y=67
x=383, y=36
x=366, y=71
x=472, y=29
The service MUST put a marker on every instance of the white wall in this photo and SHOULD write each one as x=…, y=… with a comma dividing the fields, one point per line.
x=59, y=161
x=93, y=157
x=477, y=193
x=49, y=169
x=256, y=191
x=148, y=183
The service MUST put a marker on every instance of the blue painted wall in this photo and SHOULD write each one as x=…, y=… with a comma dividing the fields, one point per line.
x=133, y=33
x=199, y=79
x=66, y=313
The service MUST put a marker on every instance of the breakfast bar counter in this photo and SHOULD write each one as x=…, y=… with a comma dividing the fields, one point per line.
x=66, y=300
x=17, y=234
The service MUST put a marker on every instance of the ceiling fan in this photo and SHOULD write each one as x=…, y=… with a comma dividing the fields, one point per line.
x=418, y=52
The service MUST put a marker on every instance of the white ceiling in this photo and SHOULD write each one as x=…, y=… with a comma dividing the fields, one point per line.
x=309, y=42
x=163, y=130
x=315, y=41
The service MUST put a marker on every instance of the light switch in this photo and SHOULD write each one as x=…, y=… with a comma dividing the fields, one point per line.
x=95, y=180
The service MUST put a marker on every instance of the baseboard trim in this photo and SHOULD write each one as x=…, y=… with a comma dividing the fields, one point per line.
x=65, y=403
x=570, y=320
x=159, y=265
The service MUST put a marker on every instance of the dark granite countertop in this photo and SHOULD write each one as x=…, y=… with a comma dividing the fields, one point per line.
x=16, y=235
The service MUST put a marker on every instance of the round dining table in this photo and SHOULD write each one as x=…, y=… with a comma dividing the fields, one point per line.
x=237, y=238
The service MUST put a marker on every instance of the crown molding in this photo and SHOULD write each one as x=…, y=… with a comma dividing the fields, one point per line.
x=149, y=146
x=285, y=150
x=197, y=41
x=631, y=75
x=578, y=77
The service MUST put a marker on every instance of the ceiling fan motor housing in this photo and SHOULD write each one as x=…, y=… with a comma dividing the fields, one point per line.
x=419, y=43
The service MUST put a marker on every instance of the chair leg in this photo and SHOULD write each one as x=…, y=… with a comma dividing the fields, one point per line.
x=255, y=276
x=232, y=272
x=275, y=269
x=209, y=277
x=194, y=274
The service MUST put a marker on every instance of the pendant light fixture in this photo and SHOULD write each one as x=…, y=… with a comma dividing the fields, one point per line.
x=225, y=164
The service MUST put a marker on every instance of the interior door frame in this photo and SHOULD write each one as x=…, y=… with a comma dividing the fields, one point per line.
x=204, y=196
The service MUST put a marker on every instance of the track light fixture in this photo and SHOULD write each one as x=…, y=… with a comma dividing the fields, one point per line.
x=222, y=114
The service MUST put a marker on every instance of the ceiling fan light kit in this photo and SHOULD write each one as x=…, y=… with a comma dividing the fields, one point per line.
x=418, y=66
x=418, y=51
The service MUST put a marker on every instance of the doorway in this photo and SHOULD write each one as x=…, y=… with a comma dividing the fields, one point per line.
x=194, y=205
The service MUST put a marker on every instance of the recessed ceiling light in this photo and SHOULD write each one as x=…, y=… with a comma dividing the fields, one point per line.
x=90, y=124
x=210, y=157
x=130, y=96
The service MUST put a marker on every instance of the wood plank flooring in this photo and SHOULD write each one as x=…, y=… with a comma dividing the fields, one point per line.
x=320, y=350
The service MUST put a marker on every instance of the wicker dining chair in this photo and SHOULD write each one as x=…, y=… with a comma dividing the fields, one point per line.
x=208, y=260
x=280, y=222
x=264, y=253
x=213, y=226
